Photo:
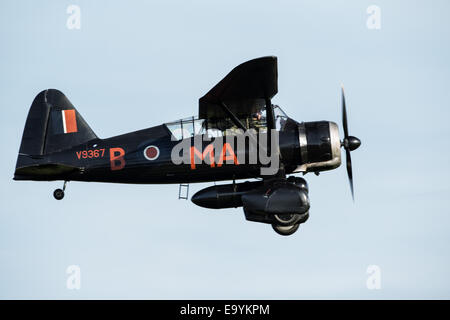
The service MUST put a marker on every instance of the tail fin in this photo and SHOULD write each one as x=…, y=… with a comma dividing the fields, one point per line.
x=53, y=124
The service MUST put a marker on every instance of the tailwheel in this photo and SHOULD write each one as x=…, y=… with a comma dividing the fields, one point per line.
x=285, y=230
x=59, y=193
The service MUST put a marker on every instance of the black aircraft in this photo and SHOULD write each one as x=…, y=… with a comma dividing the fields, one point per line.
x=58, y=144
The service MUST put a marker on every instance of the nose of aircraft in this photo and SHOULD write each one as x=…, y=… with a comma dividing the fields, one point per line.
x=352, y=143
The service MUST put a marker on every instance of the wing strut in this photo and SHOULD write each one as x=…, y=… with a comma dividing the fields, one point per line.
x=239, y=123
x=233, y=117
x=271, y=124
x=270, y=115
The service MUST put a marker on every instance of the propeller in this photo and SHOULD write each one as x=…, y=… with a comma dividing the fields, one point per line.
x=349, y=143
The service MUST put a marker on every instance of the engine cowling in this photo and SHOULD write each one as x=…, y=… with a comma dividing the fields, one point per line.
x=320, y=146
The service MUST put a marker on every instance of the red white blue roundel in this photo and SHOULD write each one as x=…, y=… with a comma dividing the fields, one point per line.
x=151, y=152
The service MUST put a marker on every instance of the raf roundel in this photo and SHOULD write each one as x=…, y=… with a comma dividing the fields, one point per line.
x=151, y=152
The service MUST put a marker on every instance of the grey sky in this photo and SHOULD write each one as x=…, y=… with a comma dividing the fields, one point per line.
x=137, y=64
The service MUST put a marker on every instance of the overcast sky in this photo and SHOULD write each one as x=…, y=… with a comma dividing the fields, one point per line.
x=136, y=64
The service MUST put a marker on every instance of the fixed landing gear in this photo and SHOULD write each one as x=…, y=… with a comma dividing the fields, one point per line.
x=288, y=223
x=284, y=224
x=285, y=230
x=285, y=219
x=59, y=193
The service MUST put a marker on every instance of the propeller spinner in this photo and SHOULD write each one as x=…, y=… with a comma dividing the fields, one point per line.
x=349, y=143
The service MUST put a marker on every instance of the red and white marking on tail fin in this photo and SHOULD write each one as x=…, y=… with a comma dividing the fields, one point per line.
x=69, y=121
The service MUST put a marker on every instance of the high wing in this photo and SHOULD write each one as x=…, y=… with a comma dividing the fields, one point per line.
x=244, y=90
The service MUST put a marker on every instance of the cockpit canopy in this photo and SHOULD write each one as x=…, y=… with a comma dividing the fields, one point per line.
x=217, y=127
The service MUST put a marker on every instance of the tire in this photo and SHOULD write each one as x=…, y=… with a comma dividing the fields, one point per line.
x=58, y=194
x=285, y=230
x=285, y=219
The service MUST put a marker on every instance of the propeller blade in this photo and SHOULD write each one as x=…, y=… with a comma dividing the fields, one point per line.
x=349, y=171
x=349, y=143
x=344, y=114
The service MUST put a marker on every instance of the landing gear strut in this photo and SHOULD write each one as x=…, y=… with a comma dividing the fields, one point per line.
x=58, y=193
